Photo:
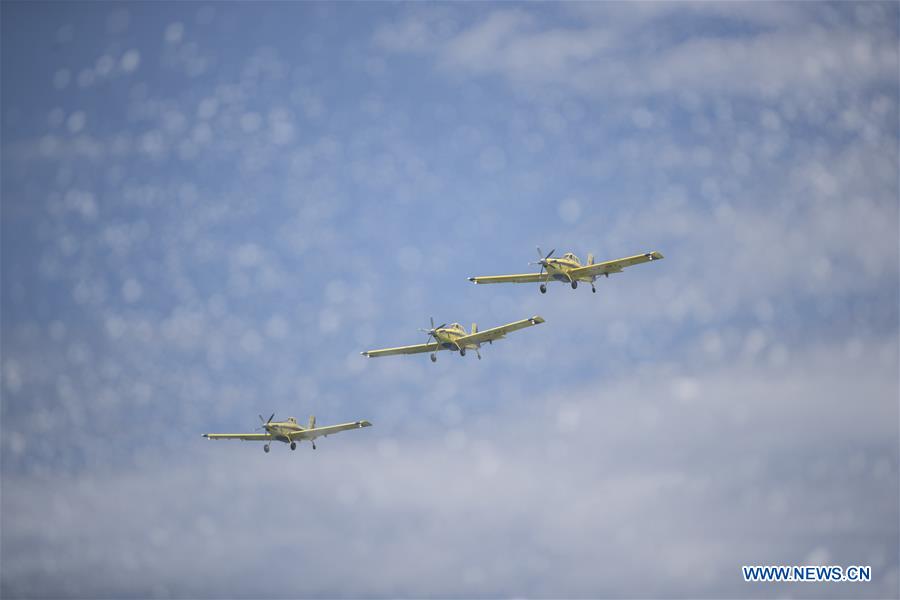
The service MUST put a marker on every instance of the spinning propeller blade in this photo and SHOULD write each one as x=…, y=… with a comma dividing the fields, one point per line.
x=431, y=332
x=542, y=260
x=264, y=422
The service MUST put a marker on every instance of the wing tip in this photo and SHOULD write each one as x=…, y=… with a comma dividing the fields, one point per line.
x=366, y=353
x=473, y=279
x=656, y=255
x=365, y=423
x=536, y=320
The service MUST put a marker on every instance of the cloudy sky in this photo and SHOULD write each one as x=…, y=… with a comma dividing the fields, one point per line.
x=209, y=210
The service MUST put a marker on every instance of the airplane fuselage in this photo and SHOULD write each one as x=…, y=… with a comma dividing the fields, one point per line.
x=281, y=431
x=447, y=336
x=558, y=269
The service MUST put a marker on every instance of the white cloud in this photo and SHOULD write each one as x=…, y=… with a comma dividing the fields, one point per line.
x=174, y=32
x=806, y=51
x=818, y=63
x=76, y=121
x=569, y=210
x=130, y=60
x=132, y=290
x=418, y=31
x=745, y=472
x=474, y=46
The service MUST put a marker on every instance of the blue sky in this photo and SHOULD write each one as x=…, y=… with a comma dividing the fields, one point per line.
x=209, y=210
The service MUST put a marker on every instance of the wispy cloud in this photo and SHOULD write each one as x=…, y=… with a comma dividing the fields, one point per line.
x=686, y=475
x=617, y=52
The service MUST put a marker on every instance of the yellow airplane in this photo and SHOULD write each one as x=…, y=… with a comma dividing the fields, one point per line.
x=288, y=432
x=569, y=269
x=454, y=337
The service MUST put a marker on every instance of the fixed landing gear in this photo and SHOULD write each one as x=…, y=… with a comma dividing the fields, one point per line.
x=462, y=351
x=477, y=353
x=314, y=445
x=293, y=445
x=433, y=357
x=574, y=285
x=543, y=288
x=266, y=448
x=593, y=289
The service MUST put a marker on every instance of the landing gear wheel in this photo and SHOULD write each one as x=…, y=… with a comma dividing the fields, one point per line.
x=433, y=357
x=543, y=288
x=266, y=448
x=293, y=445
x=574, y=285
x=593, y=289
x=462, y=351
x=314, y=445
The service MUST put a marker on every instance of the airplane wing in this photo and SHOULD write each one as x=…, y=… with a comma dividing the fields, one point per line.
x=252, y=437
x=495, y=333
x=523, y=278
x=311, y=434
x=614, y=266
x=430, y=347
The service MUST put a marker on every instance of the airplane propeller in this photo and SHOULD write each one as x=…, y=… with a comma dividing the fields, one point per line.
x=432, y=331
x=542, y=260
x=264, y=422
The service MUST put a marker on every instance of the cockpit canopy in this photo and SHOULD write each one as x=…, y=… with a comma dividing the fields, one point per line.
x=291, y=420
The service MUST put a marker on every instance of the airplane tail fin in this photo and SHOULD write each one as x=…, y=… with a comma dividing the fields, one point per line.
x=590, y=259
x=312, y=422
x=474, y=327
